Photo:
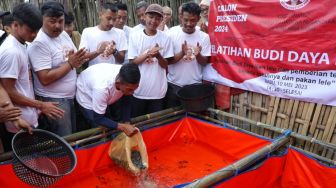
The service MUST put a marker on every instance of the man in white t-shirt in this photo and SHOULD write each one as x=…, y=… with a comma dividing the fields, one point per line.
x=101, y=85
x=107, y=44
x=14, y=68
x=167, y=17
x=203, y=23
x=140, y=10
x=179, y=27
x=150, y=48
x=54, y=59
x=121, y=22
x=192, y=52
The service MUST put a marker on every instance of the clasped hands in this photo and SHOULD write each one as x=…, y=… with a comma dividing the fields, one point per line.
x=196, y=50
x=76, y=59
x=107, y=48
x=153, y=52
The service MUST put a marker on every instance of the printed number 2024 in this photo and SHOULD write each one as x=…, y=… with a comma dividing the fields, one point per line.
x=221, y=28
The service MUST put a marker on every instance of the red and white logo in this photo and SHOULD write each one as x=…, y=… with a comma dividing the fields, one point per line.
x=294, y=4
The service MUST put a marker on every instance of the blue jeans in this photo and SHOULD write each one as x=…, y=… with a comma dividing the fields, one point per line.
x=60, y=126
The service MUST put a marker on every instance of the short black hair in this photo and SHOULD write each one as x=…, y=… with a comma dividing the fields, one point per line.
x=109, y=6
x=29, y=14
x=121, y=6
x=52, y=9
x=192, y=8
x=141, y=4
x=7, y=20
x=129, y=73
x=68, y=18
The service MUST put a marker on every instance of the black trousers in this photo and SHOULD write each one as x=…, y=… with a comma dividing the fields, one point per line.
x=120, y=111
x=171, y=99
x=6, y=138
x=146, y=106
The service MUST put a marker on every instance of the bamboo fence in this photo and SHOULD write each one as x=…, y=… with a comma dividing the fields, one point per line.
x=86, y=11
x=313, y=120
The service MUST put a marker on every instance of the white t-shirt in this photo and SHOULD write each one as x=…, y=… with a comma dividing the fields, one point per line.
x=127, y=31
x=14, y=64
x=187, y=70
x=179, y=27
x=153, y=82
x=172, y=29
x=137, y=28
x=96, y=87
x=49, y=53
x=93, y=37
x=165, y=29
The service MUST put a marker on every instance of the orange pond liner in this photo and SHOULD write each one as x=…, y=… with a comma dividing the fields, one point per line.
x=185, y=150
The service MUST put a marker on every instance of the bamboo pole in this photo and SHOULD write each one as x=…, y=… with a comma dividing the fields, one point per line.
x=320, y=158
x=241, y=165
x=94, y=132
x=155, y=114
x=275, y=129
x=224, y=124
x=111, y=132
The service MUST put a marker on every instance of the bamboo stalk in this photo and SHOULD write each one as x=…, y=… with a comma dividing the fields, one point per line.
x=324, y=122
x=155, y=114
x=280, y=116
x=269, y=115
x=223, y=124
x=328, y=132
x=111, y=132
x=275, y=129
x=288, y=113
x=313, y=125
x=241, y=165
x=318, y=132
x=320, y=158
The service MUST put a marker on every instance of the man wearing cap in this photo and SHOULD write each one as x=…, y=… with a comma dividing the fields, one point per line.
x=107, y=44
x=150, y=48
x=3, y=34
x=54, y=59
x=14, y=69
x=192, y=51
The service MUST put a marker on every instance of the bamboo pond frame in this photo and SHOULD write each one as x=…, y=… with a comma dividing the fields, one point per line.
x=100, y=134
x=149, y=120
x=241, y=165
x=222, y=123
